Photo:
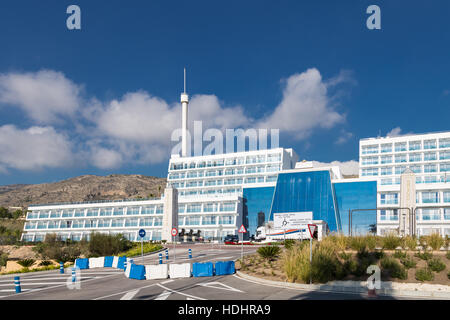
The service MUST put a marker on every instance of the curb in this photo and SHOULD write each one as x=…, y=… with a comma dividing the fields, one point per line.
x=348, y=289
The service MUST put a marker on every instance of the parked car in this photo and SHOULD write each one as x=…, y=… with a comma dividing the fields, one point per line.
x=231, y=239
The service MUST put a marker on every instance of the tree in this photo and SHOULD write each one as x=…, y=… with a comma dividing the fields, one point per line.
x=373, y=228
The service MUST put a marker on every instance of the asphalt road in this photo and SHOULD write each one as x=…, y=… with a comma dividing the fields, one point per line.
x=111, y=284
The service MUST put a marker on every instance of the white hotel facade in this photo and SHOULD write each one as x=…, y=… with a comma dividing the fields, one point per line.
x=427, y=156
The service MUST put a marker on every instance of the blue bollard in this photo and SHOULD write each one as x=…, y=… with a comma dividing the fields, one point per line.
x=190, y=253
x=160, y=258
x=17, y=284
x=167, y=254
x=74, y=275
x=61, y=267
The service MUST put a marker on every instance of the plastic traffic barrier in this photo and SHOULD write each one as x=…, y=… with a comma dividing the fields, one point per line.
x=120, y=262
x=96, y=262
x=82, y=263
x=115, y=262
x=108, y=262
x=159, y=271
x=205, y=269
x=224, y=267
x=128, y=270
x=137, y=272
x=180, y=270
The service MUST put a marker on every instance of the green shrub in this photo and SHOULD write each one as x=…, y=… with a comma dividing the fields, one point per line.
x=435, y=241
x=106, y=245
x=269, y=252
x=423, y=242
x=436, y=265
x=358, y=243
x=424, y=274
x=395, y=269
x=399, y=254
x=3, y=258
x=288, y=243
x=379, y=254
x=137, y=250
x=448, y=275
x=371, y=242
x=45, y=263
x=423, y=255
x=345, y=256
x=410, y=242
x=448, y=255
x=408, y=262
x=391, y=241
x=325, y=265
x=26, y=263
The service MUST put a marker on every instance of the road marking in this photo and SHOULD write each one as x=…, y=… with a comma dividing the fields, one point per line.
x=117, y=293
x=47, y=288
x=218, y=285
x=33, y=284
x=183, y=294
x=164, y=295
x=25, y=280
x=11, y=290
x=130, y=295
x=168, y=281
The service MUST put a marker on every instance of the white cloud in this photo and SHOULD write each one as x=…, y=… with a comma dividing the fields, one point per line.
x=306, y=105
x=344, y=137
x=350, y=167
x=45, y=95
x=106, y=159
x=33, y=148
x=394, y=132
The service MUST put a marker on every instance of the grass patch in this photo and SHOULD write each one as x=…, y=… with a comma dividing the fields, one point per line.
x=391, y=241
x=399, y=254
x=424, y=274
x=436, y=265
x=423, y=255
x=408, y=262
x=136, y=249
x=269, y=252
x=395, y=269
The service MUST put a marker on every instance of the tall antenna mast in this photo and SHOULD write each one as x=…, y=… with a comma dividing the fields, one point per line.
x=184, y=120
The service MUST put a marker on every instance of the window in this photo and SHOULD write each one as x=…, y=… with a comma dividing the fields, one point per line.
x=416, y=169
x=250, y=180
x=78, y=224
x=159, y=209
x=192, y=221
x=210, y=207
x=447, y=215
x=385, y=182
x=415, y=157
x=271, y=178
x=118, y=211
x=386, y=159
x=105, y=212
x=429, y=144
x=53, y=225
x=386, y=147
x=444, y=143
x=117, y=223
x=90, y=224
x=447, y=196
x=444, y=155
x=400, y=146
x=196, y=207
x=92, y=213
x=42, y=225
x=430, y=197
x=370, y=172
x=369, y=149
x=370, y=160
x=273, y=168
x=415, y=145
x=55, y=214
x=209, y=220
x=389, y=198
x=104, y=223
x=131, y=222
x=430, y=179
x=400, y=158
x=444, y=167
x=146, y=222
x=228, y=206
x=274, y=157
x=386, y=171
x=44, y=214
x=79, y=213
x=429, y=168
x=148, y=210
x=431, y=214
x=226, y=220
x=429, y=156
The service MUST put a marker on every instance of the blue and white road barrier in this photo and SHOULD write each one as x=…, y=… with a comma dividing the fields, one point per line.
x=17, y=284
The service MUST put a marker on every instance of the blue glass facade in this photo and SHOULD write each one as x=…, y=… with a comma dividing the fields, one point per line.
x=357, y=195
x=257, y=203
x=307, y=191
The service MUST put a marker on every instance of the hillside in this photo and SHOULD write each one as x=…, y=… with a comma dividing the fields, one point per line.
x=82, y=188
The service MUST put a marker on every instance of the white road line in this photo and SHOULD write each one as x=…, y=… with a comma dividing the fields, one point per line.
x=23, y=280
x=168, y=281
x=130, y=295
x=183, y=294
x=33, y=284
x=219, y=285
x=117, y=293
x=47, y=288
x=164, y=295
x=11, y=290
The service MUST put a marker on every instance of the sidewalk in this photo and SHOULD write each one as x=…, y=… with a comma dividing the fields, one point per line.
x=388, y=288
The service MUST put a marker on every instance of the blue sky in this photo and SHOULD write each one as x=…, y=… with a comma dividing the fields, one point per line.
x=310, y=68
